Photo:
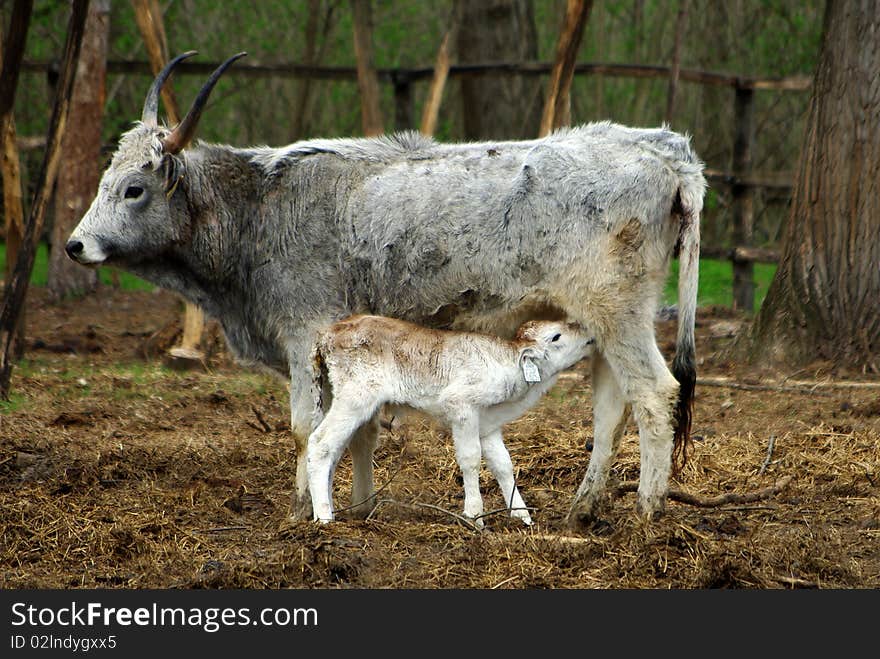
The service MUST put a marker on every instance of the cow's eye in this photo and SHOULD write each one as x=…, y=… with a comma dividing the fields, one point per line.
x=556, y=338
x=133, y=192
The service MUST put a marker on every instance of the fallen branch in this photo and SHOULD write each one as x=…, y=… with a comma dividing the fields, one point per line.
x=746, y=386
x=806, y=386
x=713, y=502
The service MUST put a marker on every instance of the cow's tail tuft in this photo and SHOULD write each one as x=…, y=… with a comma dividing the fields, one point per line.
x=690, y=204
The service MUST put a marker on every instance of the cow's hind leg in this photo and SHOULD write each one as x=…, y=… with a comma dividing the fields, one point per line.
x=652, y=390
x=362, y=447
x=610, y=414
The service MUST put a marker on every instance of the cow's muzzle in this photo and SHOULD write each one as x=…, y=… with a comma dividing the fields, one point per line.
x=74, y=248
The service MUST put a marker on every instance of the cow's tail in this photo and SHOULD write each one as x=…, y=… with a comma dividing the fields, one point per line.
x=688, y=207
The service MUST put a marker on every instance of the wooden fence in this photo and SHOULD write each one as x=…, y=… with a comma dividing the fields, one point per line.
x=741, y=180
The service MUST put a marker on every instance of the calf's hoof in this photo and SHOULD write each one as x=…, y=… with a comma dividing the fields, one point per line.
x=523, y=516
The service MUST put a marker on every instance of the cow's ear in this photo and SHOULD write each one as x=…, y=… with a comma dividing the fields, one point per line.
x=172, y=171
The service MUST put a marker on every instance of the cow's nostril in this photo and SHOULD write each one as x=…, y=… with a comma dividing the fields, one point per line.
x=73, y=248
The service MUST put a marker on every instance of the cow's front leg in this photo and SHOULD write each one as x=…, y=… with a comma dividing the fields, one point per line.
x=304, y=417
x=310, y=399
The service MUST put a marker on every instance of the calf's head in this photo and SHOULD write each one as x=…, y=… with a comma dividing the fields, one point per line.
x=131, y=219
x=556, y=345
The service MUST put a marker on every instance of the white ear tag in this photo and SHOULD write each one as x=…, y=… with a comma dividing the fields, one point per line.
x=530, y=371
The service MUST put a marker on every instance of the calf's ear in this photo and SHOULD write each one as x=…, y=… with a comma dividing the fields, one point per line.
x=532, y=352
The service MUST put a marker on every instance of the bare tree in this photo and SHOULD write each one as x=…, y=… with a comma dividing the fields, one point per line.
x=498, y=107
x=80, y=155
x=825, y=298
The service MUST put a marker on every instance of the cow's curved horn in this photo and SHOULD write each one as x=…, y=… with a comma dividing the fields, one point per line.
x=184, y=131
x=150, y=115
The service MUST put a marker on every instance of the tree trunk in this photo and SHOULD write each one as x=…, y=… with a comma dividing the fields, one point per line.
x=498, y=106
x=80, y=156
x=824, y=301
x=368, y=83
x=16, y=288
x=313, y=53
x=13, y=208
x=557, y=107
x=431, y=110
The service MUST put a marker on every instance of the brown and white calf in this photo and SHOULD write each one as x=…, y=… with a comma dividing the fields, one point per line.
x=472, y=383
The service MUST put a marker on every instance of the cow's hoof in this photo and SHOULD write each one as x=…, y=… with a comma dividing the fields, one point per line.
x=650, y=508
x=300, y=508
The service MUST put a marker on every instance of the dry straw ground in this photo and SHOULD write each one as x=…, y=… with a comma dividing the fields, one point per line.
x=118, y=473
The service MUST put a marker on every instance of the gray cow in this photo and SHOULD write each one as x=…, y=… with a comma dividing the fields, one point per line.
x=277, y=243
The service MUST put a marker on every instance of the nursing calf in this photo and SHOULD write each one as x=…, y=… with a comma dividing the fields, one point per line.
x=473, y=383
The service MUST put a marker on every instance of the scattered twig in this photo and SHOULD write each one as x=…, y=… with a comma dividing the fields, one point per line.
x=504, y=581
x=564, y=539
x=504, y=510
x=263, y=424
x=418, y=504
x=796, y=582
x=223, y=529
x=713, y=502
x=771, y=443
x=374, y=494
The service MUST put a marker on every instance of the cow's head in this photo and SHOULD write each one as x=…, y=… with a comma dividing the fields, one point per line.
x=130, y=219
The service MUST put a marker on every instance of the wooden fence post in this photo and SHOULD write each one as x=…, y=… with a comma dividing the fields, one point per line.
x=403, y=102
x=743, y=197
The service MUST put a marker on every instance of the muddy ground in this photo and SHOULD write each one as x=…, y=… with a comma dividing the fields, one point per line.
x=118, y=472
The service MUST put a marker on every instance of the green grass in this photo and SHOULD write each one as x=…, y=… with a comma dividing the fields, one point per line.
x=716, y=283
x=39, y=274
x=716, y=279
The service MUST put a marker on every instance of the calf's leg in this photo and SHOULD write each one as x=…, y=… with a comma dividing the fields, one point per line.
x=466, y=437
x=325, y=447
x=499, y=463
